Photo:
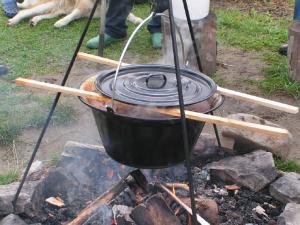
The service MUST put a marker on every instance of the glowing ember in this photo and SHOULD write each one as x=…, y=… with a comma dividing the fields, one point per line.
x=110, y=173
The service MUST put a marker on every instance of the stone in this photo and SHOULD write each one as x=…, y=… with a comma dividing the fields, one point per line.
x=247, y=141
x=35, y=167
x=253, y=170
x=205, y=147
x=290, y=215
x=287, y=188
x=12, y=219
x=83, y=172
x=207, y=208
x=25, y=201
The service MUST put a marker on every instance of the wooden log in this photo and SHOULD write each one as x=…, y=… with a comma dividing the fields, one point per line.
x=294, y=51
x=185, y=206
x=205, y=35
x=103, y=199
x=223, y=91
x=267, y=130
x=155, y=211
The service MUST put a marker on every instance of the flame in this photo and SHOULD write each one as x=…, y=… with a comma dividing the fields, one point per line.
x=173, y=190
x=190, y=220
x=110, y=173
x=177, y=211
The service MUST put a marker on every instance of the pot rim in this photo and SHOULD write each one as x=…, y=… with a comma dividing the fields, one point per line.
x=216, y=106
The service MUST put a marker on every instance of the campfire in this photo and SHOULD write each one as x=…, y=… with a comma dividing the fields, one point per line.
x=150, y=117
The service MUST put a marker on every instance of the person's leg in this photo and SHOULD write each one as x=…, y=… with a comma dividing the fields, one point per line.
x=154, y=26
x=3, y=69
x=116, y=17
x=283, y=49
x=115, y=26
x=10, y=8
x=297, y=10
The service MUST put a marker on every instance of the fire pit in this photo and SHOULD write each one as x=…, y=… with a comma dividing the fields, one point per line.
x=146, y=139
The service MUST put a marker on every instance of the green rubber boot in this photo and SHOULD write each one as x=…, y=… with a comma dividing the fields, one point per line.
x=156, y=40
x=108, y=40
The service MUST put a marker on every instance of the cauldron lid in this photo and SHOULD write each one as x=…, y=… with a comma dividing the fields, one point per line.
x=155, y=85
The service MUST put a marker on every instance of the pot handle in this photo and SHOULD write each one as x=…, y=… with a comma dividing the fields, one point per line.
x=156, y=81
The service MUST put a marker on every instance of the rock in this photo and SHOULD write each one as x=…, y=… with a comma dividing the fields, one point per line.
x=82, y=172
x=12, y=219
x=208, y=208
x=35, y=167
x=290, y=215
x=205, y=147
x=287, y=188
x=25, y=201
x=247, y=141
x=253, y=170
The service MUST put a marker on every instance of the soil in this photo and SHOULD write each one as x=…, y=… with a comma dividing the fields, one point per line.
x=237, y=69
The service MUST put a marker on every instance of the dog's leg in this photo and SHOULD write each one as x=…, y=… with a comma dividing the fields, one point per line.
x=31, y=12
x=75, y=14
x=134, y=19
x=26, y=3
x=34, y=21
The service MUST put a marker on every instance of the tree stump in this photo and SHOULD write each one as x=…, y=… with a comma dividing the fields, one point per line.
x=294, y=51
x=205, y=35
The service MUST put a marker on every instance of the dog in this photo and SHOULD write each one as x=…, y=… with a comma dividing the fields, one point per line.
x=47, y=9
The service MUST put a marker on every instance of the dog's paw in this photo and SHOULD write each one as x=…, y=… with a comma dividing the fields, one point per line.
x=60, y=24
x=22, y=5
x=12, y=22
x=33, y=22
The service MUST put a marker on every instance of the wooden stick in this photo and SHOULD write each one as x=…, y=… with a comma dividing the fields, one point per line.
x=98, y=59
x=178, y=185
x=258, y=100
x=272, y=131
x=186, y=207
x=103, y=199
x=223, y=91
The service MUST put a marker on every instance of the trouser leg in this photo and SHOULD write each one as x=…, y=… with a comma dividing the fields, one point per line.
x=154, y=26
x=117, y=13
x=297, y=10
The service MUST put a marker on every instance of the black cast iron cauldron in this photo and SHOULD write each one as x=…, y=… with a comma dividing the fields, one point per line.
x=141, y=138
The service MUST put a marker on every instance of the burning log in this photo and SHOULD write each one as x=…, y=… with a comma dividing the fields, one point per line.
x=185, y=206
x=154, y=212
x=103, y=199
x=178, y=185
x=57, y=201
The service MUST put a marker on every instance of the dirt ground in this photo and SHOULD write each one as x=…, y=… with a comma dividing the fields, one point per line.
x=236, y=70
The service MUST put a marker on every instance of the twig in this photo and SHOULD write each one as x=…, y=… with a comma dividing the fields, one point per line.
x=186, y=207
x=178, y=185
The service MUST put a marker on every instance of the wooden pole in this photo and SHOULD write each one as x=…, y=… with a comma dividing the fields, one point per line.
x=102, y=28
x=223, y=91
x=267, y=130
x=294, y=51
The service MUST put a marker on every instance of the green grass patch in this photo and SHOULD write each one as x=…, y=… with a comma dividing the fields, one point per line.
x=259, y=32
x=8, y=177
x=287, y=165
x=44, y=49
x=20, y=111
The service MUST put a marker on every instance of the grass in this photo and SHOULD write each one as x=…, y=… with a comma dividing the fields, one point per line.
x=287, y=166
x=45, y=50
x=259, y=32
x=20, y=111
x=8, y=177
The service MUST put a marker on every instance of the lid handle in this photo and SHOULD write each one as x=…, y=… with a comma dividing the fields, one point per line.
x=156, y=81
